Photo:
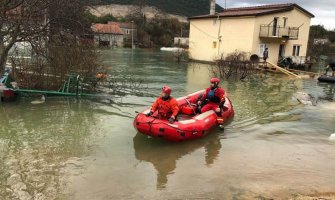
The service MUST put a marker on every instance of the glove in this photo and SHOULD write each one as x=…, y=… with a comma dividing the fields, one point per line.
x=171, y=120
x=221, y=108
x=221, y=105
x=149, y=114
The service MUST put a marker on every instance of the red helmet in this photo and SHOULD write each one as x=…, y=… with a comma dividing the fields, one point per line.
x=167, y=90
x=215, y=80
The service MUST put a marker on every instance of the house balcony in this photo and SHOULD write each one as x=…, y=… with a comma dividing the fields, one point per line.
x=287, y=33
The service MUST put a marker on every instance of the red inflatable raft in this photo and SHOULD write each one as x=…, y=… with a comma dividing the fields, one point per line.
x=188, y=126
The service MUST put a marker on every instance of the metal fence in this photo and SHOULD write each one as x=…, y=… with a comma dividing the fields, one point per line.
x=279, y=32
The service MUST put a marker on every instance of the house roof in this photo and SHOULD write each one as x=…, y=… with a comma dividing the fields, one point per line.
x=107, y=28
x=123, y=24
x=255, y=11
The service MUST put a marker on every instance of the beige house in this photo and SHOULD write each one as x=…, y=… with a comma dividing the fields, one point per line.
x=115, y=34
x=107, y=35
x=282, y=28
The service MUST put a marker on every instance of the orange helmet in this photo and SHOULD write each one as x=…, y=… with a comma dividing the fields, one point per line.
x=167, y=90
x=215, y=80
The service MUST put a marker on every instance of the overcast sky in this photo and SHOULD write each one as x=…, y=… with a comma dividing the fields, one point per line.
x=324, y=10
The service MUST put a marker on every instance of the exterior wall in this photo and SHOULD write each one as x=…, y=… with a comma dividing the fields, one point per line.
x=128, y=33
x=114, y=40
x=203, y=33
x=236, y=34
x=295, y=18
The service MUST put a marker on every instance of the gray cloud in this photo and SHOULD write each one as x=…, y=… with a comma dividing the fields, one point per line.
x=324, y=10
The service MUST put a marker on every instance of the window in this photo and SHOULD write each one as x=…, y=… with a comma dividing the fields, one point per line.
x=262, y=48
x=284, y=21
x=296, y=50
x=214, y=44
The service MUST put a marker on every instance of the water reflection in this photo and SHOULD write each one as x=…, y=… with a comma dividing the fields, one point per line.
x=164, y=155
x=155, y=68
x=328, y=90
x=198, y=76
x=262, y=97
x=37, y=141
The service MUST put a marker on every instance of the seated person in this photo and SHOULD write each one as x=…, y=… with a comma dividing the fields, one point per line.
x=214, y=98
x=331, y=66
x=165, y=105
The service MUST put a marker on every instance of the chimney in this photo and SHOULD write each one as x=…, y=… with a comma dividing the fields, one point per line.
x=212, y=7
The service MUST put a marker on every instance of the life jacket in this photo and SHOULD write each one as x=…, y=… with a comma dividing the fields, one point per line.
x=212, y=97
x=219, y=95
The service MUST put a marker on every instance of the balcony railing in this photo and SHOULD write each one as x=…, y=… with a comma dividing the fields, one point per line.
x=270, y=31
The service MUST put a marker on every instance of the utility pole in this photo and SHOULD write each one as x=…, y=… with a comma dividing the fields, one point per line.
x=132, y=35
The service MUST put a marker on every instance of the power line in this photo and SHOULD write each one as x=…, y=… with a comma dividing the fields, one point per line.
x=215, y=37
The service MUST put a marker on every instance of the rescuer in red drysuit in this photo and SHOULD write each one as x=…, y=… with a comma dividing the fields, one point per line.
x=165, y=105
x=213, y=99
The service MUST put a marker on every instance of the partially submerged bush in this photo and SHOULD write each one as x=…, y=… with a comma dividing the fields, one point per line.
x=236, y=64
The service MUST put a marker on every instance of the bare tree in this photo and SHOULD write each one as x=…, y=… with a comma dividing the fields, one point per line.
x=236, y=64
x=20, y=20
x=54, y=29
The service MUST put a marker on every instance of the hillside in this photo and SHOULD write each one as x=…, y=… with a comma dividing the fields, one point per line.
x=124, y=11
x=178, y=7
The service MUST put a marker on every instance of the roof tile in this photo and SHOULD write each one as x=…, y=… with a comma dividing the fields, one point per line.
x=107, y=28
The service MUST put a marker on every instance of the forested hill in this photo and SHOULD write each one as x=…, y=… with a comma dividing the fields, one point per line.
x=179, y=7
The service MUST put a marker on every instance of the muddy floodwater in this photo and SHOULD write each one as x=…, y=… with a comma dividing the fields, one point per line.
x=68, y=148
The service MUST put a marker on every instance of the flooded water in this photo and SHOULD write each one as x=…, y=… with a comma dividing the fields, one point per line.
x=69, y=148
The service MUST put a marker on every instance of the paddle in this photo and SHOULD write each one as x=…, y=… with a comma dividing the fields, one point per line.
x=191, y=105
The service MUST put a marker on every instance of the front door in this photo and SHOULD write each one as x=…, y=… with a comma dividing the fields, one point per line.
x=275, y=24
x=281, y=51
